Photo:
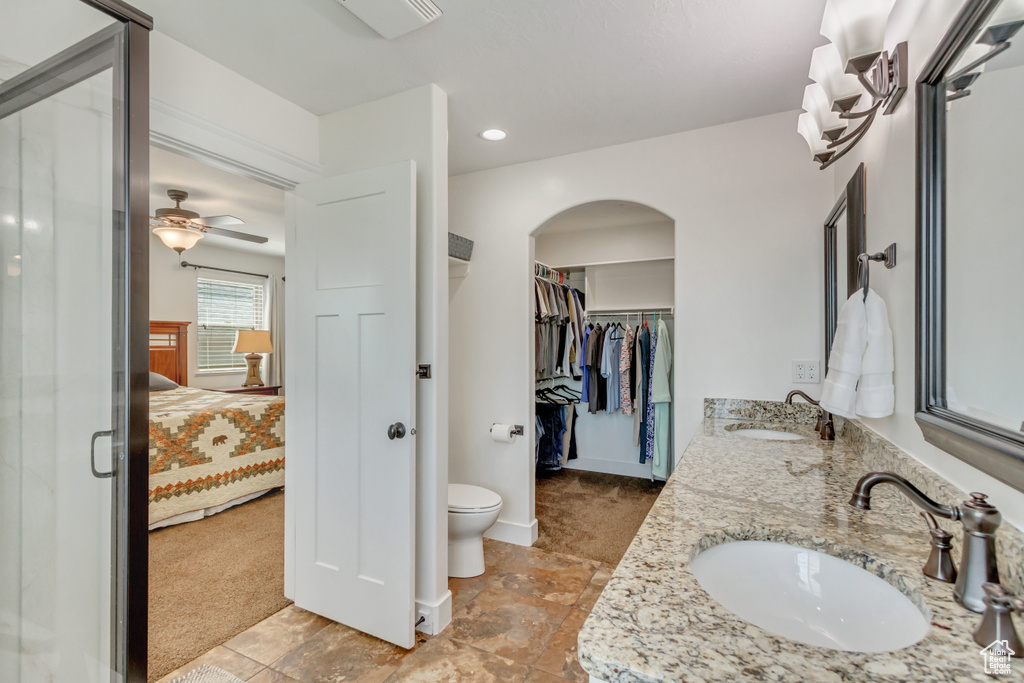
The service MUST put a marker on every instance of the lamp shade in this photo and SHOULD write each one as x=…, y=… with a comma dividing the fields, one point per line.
x=252, y=341
x=808, y=128
x=817, y=105
x=827, y=70
x=856, y=27
x=178, y=239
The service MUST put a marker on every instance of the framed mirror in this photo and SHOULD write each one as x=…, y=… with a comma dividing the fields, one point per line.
x=970, y=215
x=845, y=239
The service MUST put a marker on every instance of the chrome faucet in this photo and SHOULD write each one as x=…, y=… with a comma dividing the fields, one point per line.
x=978, y=549
x=824, y=426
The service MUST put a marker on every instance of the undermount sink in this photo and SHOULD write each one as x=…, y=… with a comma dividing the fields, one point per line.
x=809, y=597
x=770, y=434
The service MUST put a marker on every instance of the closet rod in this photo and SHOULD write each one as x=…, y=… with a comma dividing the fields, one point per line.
x=611, y=312
x=186, y=264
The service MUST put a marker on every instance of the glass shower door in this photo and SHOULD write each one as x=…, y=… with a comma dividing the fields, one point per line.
x=65, y=369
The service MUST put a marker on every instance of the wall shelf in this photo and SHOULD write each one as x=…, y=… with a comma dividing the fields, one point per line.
x=576, y=267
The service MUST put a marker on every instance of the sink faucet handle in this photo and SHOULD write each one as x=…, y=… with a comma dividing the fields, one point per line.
x=996, y=622
x=940, y=562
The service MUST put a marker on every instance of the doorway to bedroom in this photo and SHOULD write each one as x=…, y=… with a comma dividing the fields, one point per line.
x=217, y=431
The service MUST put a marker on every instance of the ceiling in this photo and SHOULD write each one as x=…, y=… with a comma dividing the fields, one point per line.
x=213, y=192
x=560, y=76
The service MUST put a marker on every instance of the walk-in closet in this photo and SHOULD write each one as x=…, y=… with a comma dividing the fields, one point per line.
x=604, y=331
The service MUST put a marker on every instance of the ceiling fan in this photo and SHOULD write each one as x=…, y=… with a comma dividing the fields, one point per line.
x=180, y=228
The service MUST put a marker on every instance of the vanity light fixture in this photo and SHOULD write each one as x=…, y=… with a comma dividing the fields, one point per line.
x=852, y=65
x=493, y=135
x=1006, y=21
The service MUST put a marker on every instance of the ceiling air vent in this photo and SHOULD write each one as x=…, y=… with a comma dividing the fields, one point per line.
x=393, y=18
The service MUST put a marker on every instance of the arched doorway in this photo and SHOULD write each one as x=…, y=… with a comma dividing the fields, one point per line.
x=613, y=264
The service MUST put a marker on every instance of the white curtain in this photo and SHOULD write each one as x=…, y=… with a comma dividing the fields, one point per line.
x=275, y=317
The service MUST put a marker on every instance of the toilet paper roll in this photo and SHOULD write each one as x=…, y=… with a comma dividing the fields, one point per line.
x=503, y=433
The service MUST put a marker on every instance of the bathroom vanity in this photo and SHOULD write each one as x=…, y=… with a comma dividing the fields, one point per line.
x=655, y=621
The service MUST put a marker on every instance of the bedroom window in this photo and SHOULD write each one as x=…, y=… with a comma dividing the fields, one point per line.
x=224, y=308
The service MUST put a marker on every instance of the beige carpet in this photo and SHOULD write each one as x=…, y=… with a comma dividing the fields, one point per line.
x=591, y=515
x=212, y=579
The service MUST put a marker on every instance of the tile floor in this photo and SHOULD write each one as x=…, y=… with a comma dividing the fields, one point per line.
x=517, y=622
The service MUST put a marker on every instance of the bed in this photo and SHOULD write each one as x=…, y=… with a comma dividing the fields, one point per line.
x=208, y=450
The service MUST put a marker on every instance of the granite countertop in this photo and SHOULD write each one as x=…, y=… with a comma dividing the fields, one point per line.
x=654, y=622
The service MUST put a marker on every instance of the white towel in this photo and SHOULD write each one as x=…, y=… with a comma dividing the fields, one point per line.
x=875, y=394
x=859, y=379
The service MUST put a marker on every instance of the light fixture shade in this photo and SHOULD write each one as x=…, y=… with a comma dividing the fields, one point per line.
x=178, y=239
x=252, y=341
x=816, y=104
x=856, y=27
x=808, y=128
x=827, y=70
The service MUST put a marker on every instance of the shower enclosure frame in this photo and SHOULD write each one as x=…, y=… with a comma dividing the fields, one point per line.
x=128, y=42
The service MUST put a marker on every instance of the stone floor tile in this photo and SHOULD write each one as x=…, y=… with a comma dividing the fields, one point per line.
x=442, y=660
x=559, y=657
x=509, y=624
x=278, y=634
x=229, y=660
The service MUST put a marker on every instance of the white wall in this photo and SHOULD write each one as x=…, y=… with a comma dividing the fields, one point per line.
x=888, y=154
x=414, y=125
x=227, y=120
x=747, y=205
x=606, y=245
x=172, y=294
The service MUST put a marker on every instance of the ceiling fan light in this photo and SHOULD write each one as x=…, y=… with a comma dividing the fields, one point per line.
x=856, y=27
x=178, y=239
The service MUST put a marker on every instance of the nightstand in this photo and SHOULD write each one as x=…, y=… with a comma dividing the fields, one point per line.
x=266, y=390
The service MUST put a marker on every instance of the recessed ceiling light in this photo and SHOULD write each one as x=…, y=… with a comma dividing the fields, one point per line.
x=493, y=134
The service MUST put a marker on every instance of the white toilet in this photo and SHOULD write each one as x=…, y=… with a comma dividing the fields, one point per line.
x=472, y=510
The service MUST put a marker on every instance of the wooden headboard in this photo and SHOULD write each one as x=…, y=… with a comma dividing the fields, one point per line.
x=168, y=349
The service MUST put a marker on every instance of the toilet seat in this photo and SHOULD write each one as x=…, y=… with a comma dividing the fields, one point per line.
x=464, y=498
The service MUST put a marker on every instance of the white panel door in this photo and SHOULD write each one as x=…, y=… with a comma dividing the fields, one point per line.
x=350, y=477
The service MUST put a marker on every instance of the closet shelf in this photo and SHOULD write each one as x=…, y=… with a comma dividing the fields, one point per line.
x=581, y=266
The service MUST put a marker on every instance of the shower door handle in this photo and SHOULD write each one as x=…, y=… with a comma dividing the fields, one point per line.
x=396, y=431
x=92, y=455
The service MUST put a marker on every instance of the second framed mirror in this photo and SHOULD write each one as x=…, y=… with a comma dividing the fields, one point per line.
x=845, y=238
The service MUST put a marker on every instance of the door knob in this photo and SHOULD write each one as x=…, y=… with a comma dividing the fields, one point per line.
x=396, y=431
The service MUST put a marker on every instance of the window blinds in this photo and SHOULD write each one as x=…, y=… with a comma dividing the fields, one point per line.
x=224, y=308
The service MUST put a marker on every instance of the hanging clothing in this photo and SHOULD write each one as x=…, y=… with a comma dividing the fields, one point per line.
x=640, y=424
x=610, y=367
x=558, y=336
x=595, y=348
x=647, y=446
x=569, y=437
x=552, y=419
x=625, y=370
x=661, y=396
x=584, y=368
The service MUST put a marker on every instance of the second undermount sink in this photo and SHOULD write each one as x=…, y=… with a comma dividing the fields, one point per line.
x=770, y=434
x=809, y=597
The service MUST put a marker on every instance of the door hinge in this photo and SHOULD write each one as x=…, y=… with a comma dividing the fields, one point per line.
x=423, y=372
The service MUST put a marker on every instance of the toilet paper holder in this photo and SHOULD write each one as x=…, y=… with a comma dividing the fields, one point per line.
x=517, y=430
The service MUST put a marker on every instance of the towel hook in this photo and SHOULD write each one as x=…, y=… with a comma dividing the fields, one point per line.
x=888, y=257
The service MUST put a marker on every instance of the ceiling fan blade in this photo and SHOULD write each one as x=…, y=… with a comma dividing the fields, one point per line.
x=224, y=232
x=220, y=221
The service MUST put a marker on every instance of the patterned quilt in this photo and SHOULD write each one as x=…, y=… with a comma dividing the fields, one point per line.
x=207, y=448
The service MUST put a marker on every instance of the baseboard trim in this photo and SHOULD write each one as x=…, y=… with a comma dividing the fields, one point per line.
x=438, y=615
x=511, y=532
x=624, y=469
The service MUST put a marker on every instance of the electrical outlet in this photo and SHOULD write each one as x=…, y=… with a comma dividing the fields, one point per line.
x=806, y=372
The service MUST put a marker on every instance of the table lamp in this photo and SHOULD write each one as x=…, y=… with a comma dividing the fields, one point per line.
x=253, y=343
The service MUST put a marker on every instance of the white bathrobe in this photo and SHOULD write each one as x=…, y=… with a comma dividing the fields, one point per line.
x=859, y=379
